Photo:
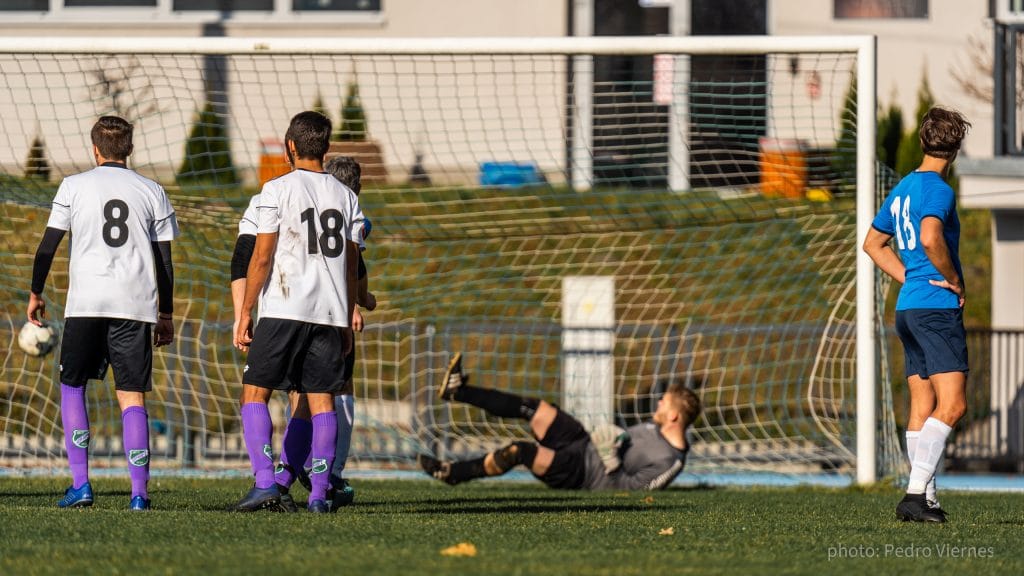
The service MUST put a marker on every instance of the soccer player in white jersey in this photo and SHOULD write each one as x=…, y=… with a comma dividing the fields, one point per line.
x=121, y=283
x=646, y=456
x=302, y=271
x=298, y=433
x=920, y=213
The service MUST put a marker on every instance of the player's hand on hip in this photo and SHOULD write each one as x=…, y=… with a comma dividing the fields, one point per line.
x=957, y=289
x=243, y=333
x=164, y=332
x=36, y=309
x=357, y=320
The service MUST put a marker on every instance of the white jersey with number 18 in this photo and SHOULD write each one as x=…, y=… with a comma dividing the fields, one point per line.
x=114, y=215
x=314, y=215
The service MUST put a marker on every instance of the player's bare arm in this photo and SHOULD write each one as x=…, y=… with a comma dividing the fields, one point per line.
x=935, y=247
x=259, y=268
x=877, y=246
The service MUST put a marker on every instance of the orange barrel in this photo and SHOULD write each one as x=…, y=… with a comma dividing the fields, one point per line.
x=273, y=160
x=783, y=167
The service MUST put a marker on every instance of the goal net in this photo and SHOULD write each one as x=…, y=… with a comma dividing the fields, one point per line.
x=587, y=220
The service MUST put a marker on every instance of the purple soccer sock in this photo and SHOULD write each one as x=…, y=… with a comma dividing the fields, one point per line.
x=135, y=431
x=259, y=430
x=325, y=432
x=295, y=448
x=75, y=419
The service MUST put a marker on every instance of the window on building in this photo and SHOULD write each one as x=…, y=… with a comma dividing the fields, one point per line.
x=302, y=5
x=107, y=3
x=222, y=5
x=167, y=8
x=880, y=8
x=26, y=5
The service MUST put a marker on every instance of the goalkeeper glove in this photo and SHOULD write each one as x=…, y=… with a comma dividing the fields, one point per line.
x=609, y=440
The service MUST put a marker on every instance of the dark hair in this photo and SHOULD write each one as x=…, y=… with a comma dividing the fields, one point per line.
x=942, y=132
x=311, y=133
x=685, y=401
x=346, y=170
x=113, y=136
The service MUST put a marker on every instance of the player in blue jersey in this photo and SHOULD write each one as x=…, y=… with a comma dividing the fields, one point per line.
x=646, y=456
x=920, y=213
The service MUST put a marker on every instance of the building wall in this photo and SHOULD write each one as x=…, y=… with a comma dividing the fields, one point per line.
x=908, y=49
x=458, y=112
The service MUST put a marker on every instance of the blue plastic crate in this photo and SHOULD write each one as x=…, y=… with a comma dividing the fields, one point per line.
x=510, y=174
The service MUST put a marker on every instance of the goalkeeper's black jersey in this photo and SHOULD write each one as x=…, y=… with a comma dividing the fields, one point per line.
x=649, y=462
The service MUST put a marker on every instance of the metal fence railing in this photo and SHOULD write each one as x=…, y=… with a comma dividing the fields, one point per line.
x=990, y=436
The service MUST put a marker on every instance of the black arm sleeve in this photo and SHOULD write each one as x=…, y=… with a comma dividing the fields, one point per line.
x=164, y=276
x=244, y=247
x=362, y=268
x=44, y=258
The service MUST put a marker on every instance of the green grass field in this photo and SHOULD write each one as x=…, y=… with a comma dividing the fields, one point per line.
x=401, y=527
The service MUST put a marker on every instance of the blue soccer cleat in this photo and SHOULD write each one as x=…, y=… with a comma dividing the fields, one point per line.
x=258, y=499
x=80, y=498
x=341, y=493
x=138, y=504
x=318, y=507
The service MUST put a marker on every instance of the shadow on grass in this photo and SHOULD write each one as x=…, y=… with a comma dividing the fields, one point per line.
x=33, y=494
x=553, y=508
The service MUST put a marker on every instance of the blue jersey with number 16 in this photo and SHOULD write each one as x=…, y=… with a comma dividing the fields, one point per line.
x=918, y=196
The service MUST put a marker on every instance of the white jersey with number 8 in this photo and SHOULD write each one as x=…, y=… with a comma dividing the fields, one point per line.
x=114, y=215
x=314, y=216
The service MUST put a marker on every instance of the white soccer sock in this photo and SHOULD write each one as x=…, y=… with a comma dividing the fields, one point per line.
x=930, y=491
x=931, y=443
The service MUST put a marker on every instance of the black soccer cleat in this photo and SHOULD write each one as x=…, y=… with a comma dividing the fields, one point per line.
x=340, y=494
x=933, y=505
x=453, y=378
x=287, y=503
x=258, y=499
x=914, y=508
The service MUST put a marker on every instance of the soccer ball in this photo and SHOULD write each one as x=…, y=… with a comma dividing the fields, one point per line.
x=36, y=340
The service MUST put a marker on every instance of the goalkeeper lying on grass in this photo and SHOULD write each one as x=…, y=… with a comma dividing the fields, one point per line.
x=647, y=456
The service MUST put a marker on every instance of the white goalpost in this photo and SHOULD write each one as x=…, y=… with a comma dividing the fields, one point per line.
x=715, y=188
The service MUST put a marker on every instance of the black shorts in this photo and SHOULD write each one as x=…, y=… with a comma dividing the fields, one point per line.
x=350, y=363
x=90, y=344
x=294, y=355
x=934, y=341
x=567, y=437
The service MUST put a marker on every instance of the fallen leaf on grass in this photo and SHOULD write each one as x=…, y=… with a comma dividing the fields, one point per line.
x=460, y=549
x=666, y=531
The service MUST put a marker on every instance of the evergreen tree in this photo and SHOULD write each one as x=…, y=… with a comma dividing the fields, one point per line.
x=207, y=153
x=318, y=106
x=353, y=118
x=890, y=132
x=844, y=162
x=36, y=165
